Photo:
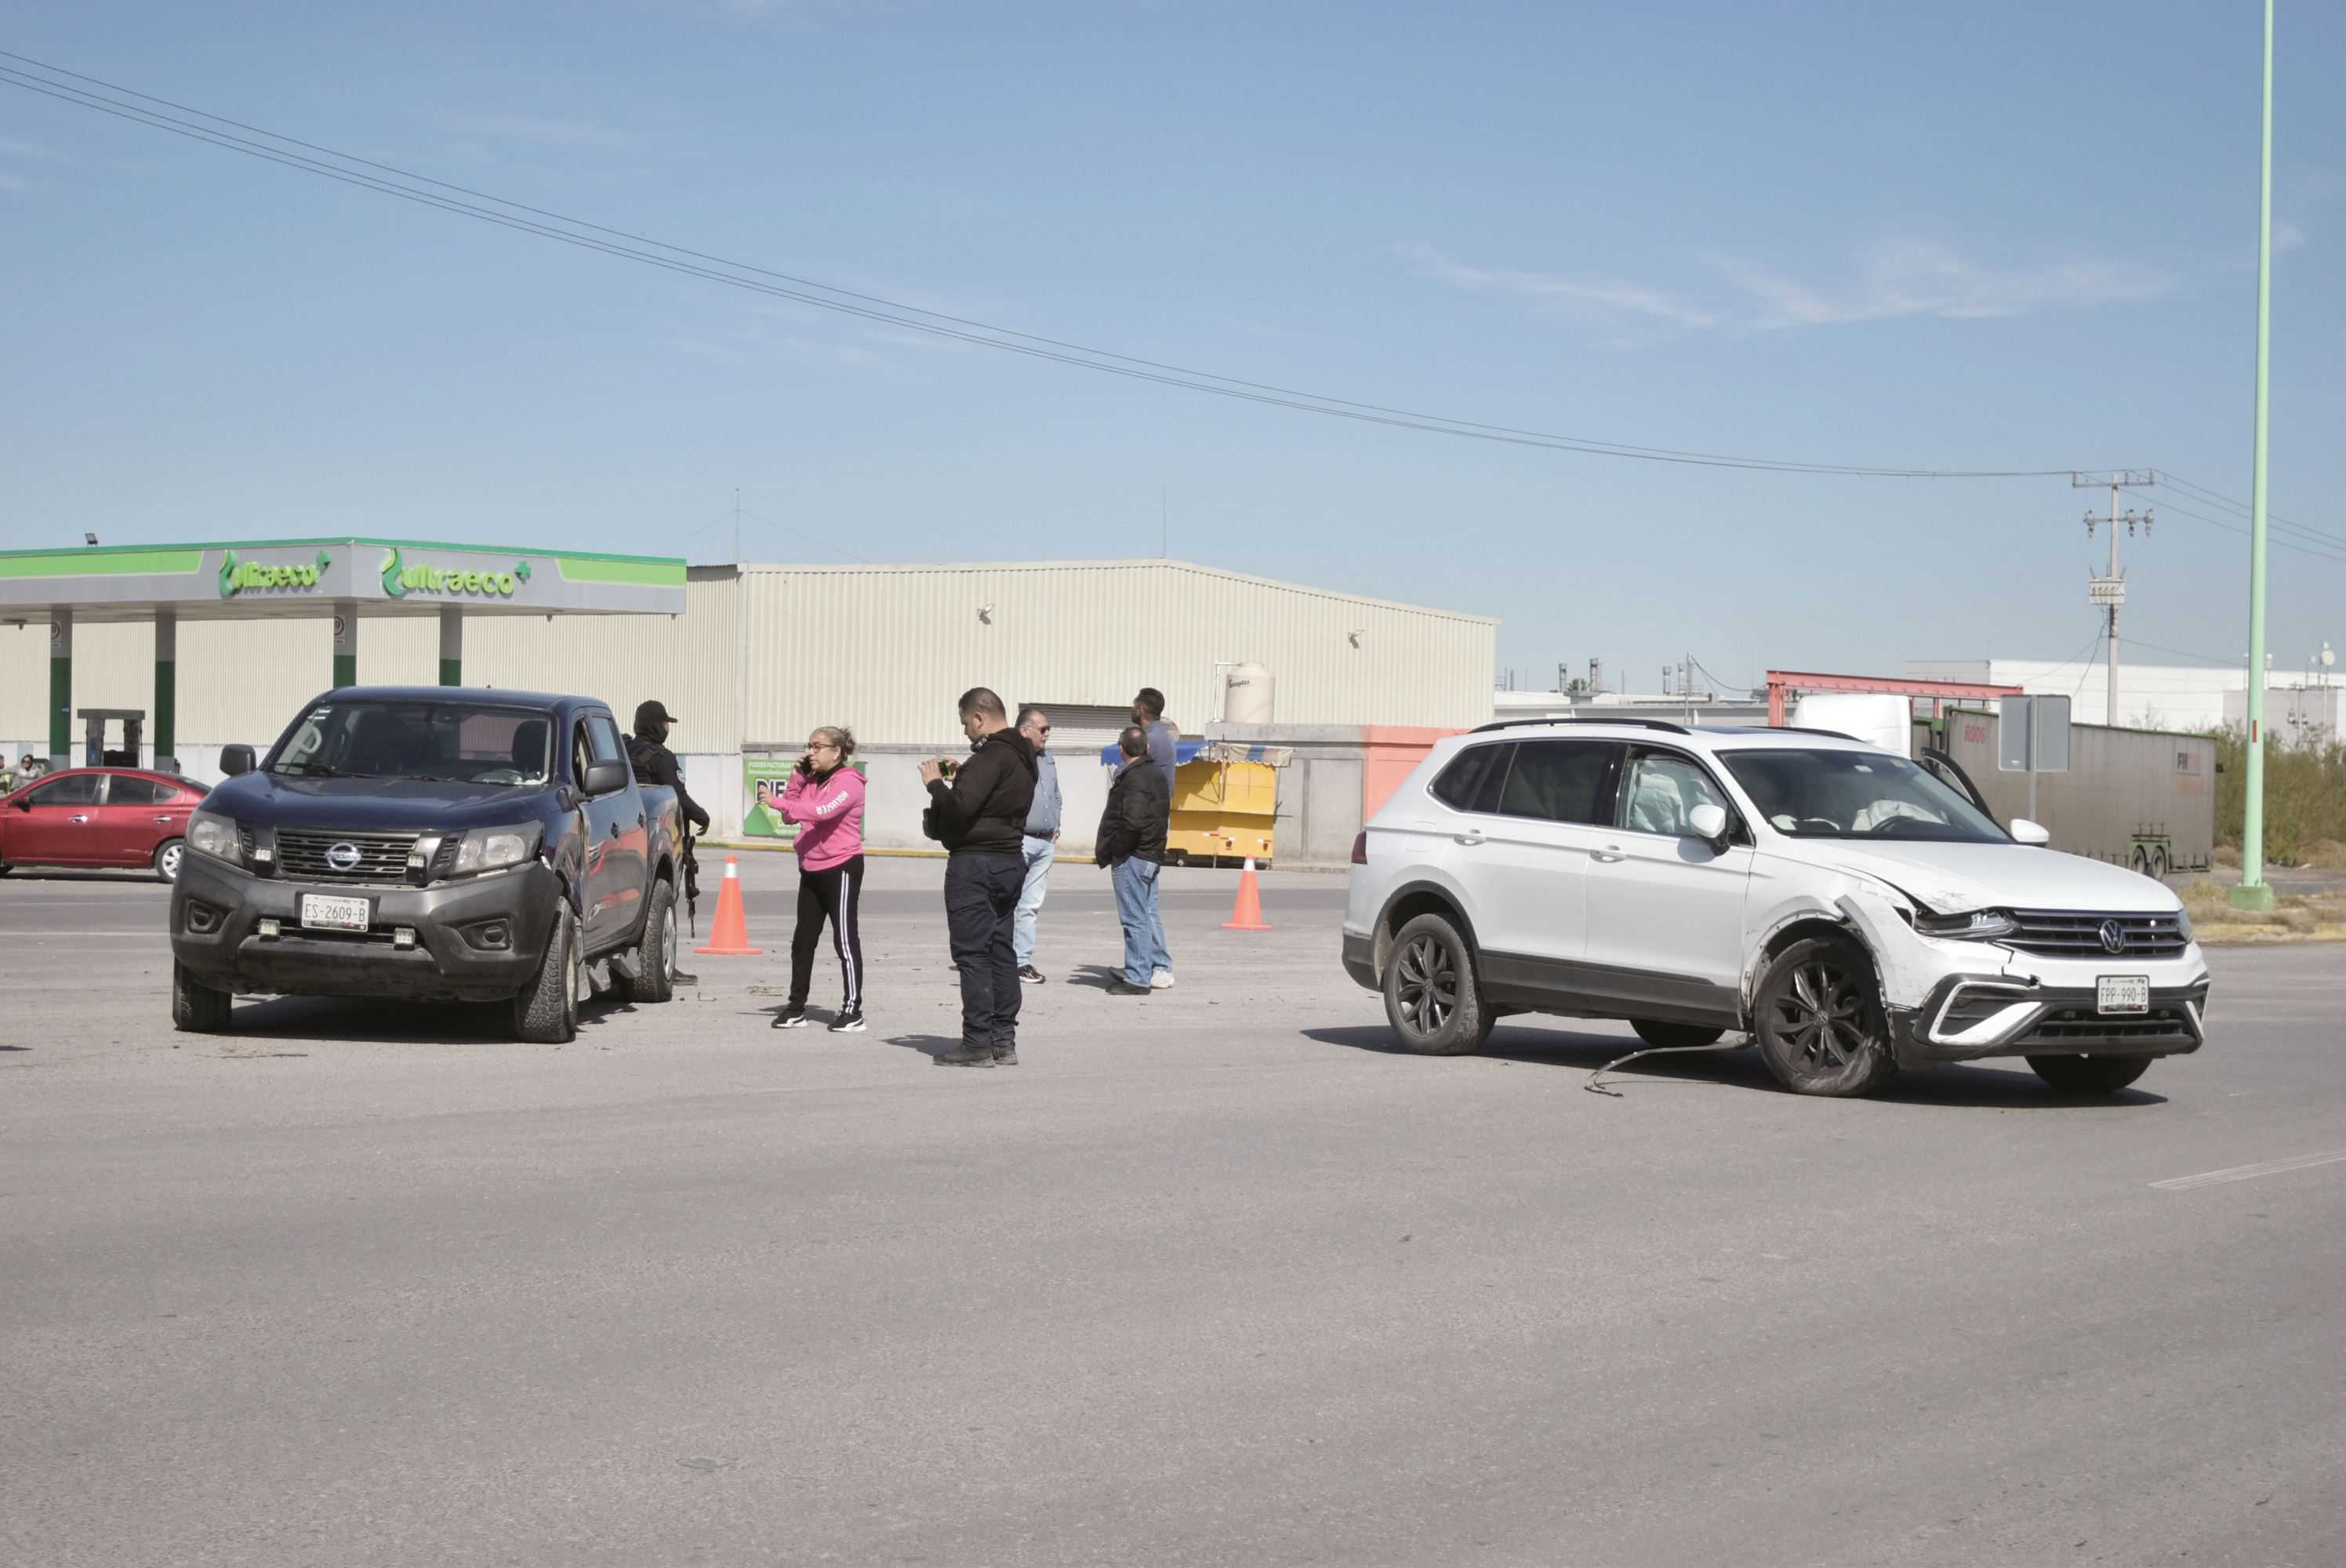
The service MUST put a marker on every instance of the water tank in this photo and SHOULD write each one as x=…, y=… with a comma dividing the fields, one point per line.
x=1246, y=695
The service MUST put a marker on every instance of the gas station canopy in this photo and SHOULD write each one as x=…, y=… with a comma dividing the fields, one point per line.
x=261, y=578
x=348, y=579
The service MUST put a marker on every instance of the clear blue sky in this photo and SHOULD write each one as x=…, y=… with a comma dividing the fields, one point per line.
x=1997, y=235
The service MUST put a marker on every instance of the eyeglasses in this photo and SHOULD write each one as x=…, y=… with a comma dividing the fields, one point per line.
x=822, y=746
x=1041, y=729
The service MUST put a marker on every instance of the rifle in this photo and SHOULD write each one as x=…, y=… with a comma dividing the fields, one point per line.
x=692, y=884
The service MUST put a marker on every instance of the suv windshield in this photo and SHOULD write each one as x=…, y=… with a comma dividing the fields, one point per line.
x=457, y=743
x=1856, y=795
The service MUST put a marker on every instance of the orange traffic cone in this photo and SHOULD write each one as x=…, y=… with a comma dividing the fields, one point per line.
x=729, y=933
x=1248, y=915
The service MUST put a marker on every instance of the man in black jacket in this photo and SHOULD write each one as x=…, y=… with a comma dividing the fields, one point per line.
x=1131, y=845
x=653, y=763
x=979, y=815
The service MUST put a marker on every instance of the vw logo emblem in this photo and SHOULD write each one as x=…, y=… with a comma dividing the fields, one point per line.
x=2113, y=937
x=344, y=857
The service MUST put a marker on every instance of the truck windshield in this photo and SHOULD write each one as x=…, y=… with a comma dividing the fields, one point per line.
x=451, y=742
x=1856, y=795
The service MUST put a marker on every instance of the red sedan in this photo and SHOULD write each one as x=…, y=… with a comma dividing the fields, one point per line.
x=99, y=816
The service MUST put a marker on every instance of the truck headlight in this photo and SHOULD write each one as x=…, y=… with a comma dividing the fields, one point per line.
x=494, y=849
x=1979, y=925
x=209, y=833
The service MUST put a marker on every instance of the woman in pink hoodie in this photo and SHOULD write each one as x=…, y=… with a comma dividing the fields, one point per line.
x=825, y=798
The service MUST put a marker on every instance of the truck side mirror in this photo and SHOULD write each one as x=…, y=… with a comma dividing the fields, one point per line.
x=236, y=760
x=603, y=778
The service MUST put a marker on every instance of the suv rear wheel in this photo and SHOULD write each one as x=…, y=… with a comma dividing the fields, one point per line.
x=2089, y=1075
x=1432, y=999
x=1819, y=1022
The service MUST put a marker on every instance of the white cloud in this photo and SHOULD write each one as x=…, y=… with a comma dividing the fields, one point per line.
x=13, y=182
x=1555, y=291
x=1901, y=278
x=536, y=131
x=2286, y=237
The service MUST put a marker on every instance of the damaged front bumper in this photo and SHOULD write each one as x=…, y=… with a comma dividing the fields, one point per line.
x=1956, y=1000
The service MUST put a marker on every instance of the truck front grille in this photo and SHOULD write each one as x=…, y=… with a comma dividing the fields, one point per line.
x=380, y=857
x=2066, y=934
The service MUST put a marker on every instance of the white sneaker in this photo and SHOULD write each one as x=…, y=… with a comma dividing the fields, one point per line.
x=1161, y=981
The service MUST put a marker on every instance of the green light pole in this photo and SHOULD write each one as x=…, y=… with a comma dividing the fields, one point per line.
x=2254, y=893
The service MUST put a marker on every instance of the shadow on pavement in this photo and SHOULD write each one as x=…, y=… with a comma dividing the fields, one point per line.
x=1968, y=1085
x=1098, y=976
x=377, y=1023
x=929, y=1045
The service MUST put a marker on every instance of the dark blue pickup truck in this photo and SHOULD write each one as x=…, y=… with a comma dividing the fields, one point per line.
x=431, y=844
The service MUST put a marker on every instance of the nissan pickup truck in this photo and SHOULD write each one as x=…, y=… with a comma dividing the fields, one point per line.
x=431, y=844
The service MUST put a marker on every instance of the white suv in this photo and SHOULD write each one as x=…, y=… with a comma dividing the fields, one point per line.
x=1852, y=909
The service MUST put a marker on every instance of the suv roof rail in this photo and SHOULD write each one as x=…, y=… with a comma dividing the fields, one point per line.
x=1663, y=724
x=1806, y=729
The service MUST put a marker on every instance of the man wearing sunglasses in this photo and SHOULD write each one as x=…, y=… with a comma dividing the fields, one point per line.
x=1041, y=841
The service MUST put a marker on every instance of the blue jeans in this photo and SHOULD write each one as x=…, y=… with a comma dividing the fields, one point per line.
x=1030, y=897
x=1144, y=926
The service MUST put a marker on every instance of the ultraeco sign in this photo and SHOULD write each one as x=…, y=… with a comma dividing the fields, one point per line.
x=402, y=578
x=242, y=578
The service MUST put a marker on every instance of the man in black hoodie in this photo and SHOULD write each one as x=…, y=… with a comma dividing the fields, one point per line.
x=980, y=816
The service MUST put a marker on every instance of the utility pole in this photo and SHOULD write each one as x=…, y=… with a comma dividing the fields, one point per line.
x=2254, y=893
x=2110, y=592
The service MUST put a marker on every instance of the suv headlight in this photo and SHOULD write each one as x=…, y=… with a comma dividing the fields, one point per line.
x=209, y=833
x=2183, y=922
x=1979, y=925
x=494, y=849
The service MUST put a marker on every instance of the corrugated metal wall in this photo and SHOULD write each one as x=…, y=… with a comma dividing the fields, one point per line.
x=888, y=649
x=885, y=649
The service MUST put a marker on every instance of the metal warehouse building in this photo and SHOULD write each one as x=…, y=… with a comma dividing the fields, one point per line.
x=761, y=654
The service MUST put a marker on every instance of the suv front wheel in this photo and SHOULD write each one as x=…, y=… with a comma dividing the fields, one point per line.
x=1432, y=999
x=1819, y=1022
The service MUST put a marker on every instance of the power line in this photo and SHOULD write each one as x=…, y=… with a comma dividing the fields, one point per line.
x=894, y=313
x=2181, y=653
x=2316, y=551
x=2217, y=499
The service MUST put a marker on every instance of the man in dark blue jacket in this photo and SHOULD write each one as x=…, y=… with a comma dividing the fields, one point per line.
x=980, y=816
x=1131, y=845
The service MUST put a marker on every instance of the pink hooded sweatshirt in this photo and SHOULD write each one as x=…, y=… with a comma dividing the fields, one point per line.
x=829, y=814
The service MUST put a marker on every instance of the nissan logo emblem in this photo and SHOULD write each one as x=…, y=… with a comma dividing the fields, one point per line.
x=2113, y=935
x=344, y=857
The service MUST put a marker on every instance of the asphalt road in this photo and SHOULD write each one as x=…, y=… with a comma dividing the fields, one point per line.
x=1213, y=1277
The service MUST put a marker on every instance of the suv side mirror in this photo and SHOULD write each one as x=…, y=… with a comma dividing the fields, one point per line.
x=1709, y=822
x=236, y=760
x=2025, y=831
x=603, y=778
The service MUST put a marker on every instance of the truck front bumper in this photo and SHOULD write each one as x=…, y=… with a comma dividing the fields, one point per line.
x=478, y=940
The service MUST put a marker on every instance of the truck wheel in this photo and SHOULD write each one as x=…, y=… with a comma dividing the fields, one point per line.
x=1821, y=1026
x=1431, y=998
x=1674, y=1035
x=656, y=950
x=546, y=1010
x=168, y=858
x=196, y=1008
x=2089, y=1075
